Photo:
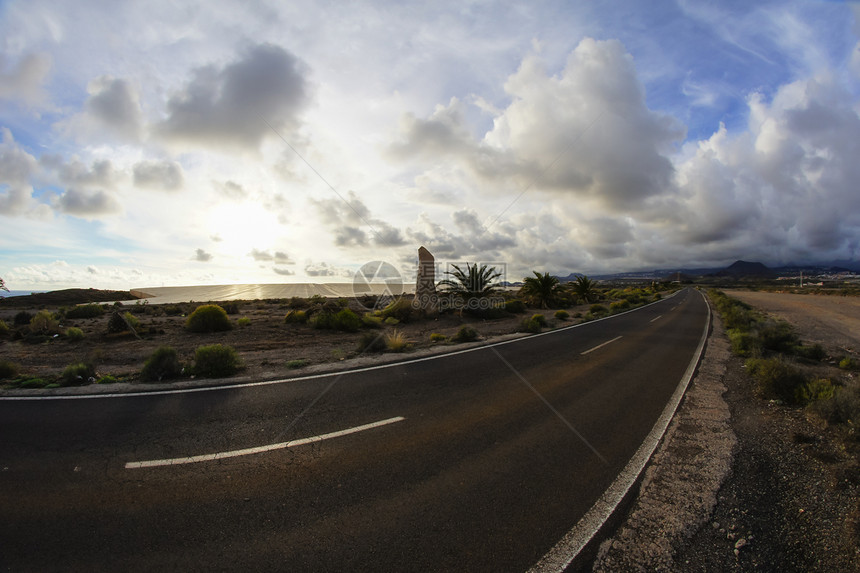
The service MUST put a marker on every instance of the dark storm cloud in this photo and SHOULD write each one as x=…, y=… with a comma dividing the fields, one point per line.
x=228, y=107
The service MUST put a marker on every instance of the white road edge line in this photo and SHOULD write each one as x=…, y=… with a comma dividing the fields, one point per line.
x=655, y=318
x=600, y=345
x=565, y=551
x=259, y=449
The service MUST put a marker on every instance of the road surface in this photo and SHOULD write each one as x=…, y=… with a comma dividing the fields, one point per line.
x=477, y=461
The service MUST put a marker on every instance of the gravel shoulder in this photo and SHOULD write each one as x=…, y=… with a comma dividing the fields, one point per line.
x=744, y=484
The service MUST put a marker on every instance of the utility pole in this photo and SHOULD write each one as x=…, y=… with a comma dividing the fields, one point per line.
x=801, y=279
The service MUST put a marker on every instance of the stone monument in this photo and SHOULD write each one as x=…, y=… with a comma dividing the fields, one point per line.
x=425, y=284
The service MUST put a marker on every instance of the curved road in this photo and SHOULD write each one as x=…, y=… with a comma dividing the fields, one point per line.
x=481, y=460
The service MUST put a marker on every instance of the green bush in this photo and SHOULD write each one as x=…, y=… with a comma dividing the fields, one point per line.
x=438, y=337
x=619, y=305
x=297, y=363
x=597, y=309
x=777, y=335
x=173, y=310
x=21, y=318
x=8, y=369
x=77, y=374
x=562, y=314
x=813, y=391
x=515, y=306
x=34, y=383
x=391, y=321
x=848, y=363
x=371, y=342
x=815, y=353
x=74, y=334
x=370, y=321
x=123, y=322
x=208, y=318
x=344, y=319
x=243, y=322
x=842, y=408
x=465, y=334
x=216, y=361
x=162, y=364
x=296, y=317
x=85, y=311
x=401, y=309
x=539, y=318
x=44, y=323
x=107, y=379
x=395, y=341
x=744, y=343
x=231, y=308
x=532, y=325
x=775, y=378
x=4, y=328
x=298, y=302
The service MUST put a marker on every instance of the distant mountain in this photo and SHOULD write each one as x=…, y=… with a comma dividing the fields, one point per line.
x=745, y=269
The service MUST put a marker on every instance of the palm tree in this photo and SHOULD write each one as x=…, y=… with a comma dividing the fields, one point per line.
x=474, y=282
x=541, y=288
x=3, y=285
x=585, y=288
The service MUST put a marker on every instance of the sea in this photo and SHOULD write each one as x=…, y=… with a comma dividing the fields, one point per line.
x=205, y=293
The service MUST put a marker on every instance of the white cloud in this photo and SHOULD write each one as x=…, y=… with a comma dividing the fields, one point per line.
x=159, y=175
x=24, y=81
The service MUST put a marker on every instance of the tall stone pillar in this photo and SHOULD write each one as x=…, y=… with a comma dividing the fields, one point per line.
x=425, y=284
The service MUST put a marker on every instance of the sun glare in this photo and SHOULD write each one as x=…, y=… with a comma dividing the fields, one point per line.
x=243, y=228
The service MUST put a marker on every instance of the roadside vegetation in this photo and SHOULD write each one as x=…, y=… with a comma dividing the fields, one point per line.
x=172, y=342
x=784, y=368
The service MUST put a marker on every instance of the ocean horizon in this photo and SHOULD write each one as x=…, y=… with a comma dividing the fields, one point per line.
x=205, y=293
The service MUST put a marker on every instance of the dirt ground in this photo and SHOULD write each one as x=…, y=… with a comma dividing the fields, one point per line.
x=745, y=484
x=830, y=320
x=266, y=344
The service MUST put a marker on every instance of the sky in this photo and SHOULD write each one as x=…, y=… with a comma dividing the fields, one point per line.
x=183, y=143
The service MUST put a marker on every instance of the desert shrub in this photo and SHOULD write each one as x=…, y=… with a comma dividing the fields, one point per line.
x=438, y=337
x=465, y=334
x=597, y=309
x=395, y=341
x=297, y=363
x=243, y=322
x=848, y=363
x=296, y=317
x=744, y=343
x=391, y=321
x=370, y=321
x=162, y=364
x=85, y=311
x=619, y=305
x=74, y=334
x=173, y=310
x=107, y=379
x=208, y=318
x=657, y=296
x=123, y=322
x=813, y=391
x=371, y=342
x=231, y=308
x=531, y=324
x=8, y=369
x=77, y=374
x=216, y=361
x=316, y=299
x=562, y=314
x=297, y=302
x=4, y=328
x=401, y=310
x=777, y=335
x=22, y=318
x=344, y=319
x=842, y=408
x=515, y=306
x=775, y=378
x=44, y=323
x=539, y=318
x=814, y=353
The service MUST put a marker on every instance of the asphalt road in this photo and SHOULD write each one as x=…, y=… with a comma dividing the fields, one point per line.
x=499, y=452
